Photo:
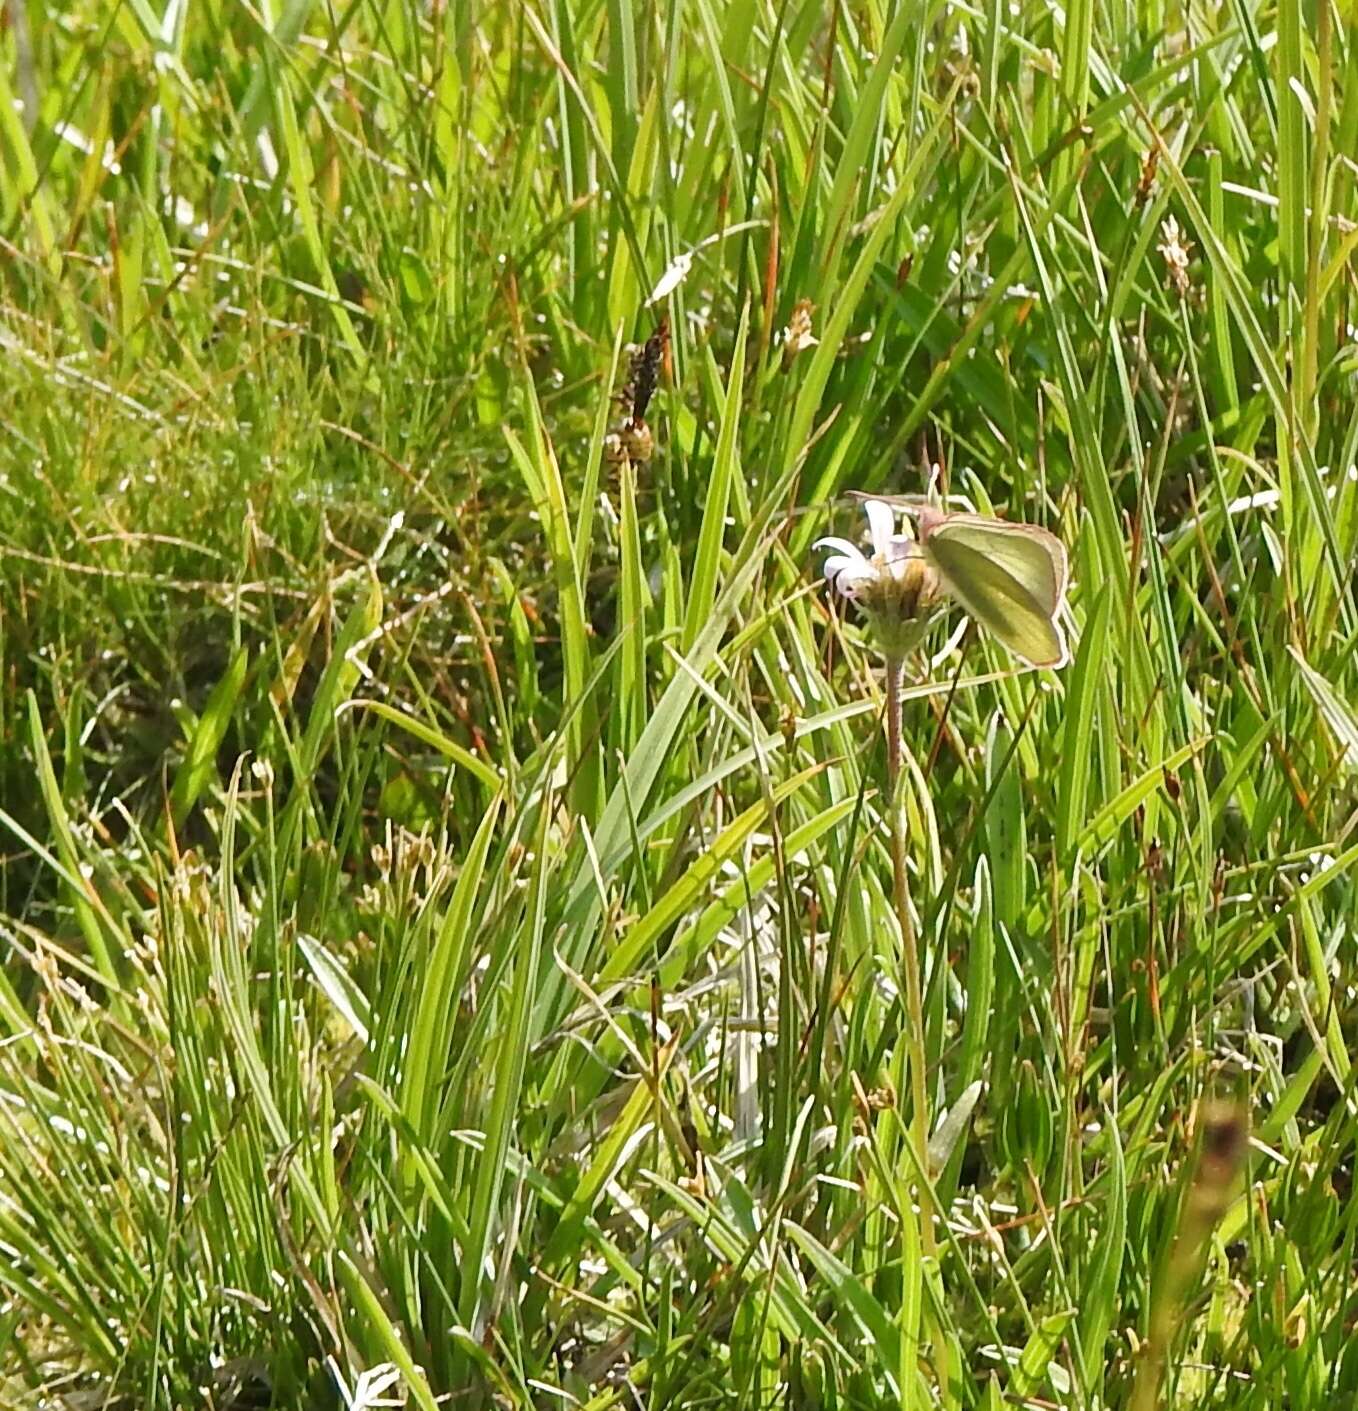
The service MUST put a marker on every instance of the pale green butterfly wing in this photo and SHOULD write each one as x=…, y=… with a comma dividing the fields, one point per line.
x=1010, y=577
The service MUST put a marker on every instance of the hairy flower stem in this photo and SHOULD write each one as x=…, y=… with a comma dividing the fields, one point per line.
x=914, y=996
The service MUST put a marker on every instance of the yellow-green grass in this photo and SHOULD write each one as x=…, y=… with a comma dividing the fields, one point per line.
x=446, y=897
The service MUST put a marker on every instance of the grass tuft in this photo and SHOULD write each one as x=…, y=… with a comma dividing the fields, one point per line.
x=449, y=945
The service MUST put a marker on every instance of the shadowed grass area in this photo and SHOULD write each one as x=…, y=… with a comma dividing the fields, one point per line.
x=446, y=898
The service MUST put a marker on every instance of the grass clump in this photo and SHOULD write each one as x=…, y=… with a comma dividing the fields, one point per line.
x=450, y=936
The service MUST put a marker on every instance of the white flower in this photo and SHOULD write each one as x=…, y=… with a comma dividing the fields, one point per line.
x=896, y=587
x=849, y=568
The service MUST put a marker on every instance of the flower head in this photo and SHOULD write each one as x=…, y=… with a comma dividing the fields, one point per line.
x=798, y=335
x=896, y=588
x=1176, y=247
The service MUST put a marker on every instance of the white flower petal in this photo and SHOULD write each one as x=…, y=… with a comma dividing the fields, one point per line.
x=881, y=524
x=843, y=563
x=673, y=277
x=846, y=575
x=844, y=546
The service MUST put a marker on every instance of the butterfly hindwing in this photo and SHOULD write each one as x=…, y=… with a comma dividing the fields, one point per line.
x=1010, y=577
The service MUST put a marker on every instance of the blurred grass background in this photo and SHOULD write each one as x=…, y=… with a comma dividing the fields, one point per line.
x=445, y=899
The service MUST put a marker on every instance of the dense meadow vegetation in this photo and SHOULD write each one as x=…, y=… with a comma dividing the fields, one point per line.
x=450, y=954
